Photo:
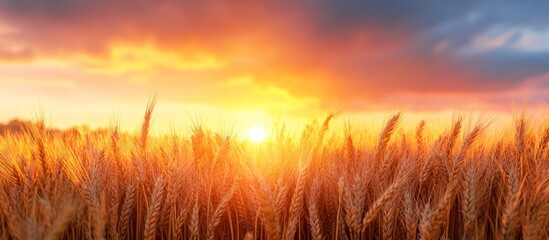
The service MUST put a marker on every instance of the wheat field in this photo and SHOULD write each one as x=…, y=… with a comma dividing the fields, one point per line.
x=325, y=183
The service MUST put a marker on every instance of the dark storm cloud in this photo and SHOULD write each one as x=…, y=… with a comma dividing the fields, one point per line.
x=435, y=39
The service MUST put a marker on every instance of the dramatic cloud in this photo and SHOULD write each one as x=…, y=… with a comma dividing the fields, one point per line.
x=280, y=55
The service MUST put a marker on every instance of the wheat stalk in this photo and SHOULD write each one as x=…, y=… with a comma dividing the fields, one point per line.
x=271, y=218
x=389, y=220
x=385, y=136
x=538, y=215
x=194, y=226
x=314, y=215
x=510, y=217
x=469, y=205
x=420, y=139
x=454, y=134
x=219, y=211
x=182, y=217
x=297, y=203
x=430, y=226
x=410, y=221
x=151, y=220
x=378, y=205
x=146, y=125
x=127, y=209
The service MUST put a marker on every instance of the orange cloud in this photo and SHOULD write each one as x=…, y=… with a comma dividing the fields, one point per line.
x=245, y=54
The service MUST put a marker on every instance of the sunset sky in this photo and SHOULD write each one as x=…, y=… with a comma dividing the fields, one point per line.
x=84, y=62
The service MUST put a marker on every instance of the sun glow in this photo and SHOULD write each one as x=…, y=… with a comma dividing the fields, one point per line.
x=257, y=134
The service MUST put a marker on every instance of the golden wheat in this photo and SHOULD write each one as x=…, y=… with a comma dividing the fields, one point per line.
x=325, y=184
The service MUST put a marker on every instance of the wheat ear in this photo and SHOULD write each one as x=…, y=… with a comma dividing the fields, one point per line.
x=153, y=213
x=385, y=137
x=127, y=209
x=219, y=211
x=377, y=206
x=314, y=216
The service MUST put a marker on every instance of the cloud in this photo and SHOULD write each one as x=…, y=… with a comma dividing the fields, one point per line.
x=316, y=53
x=14, y=54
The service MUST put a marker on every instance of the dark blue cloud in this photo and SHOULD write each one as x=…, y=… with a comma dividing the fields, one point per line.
x=452, y=25
x=511, y=64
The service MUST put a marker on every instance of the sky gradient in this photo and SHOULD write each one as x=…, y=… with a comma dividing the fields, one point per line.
x=84, y=60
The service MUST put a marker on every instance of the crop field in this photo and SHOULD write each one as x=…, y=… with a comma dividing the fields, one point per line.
x=403, y=182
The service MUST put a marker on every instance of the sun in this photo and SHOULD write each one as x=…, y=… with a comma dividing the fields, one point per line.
x=257, y=134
